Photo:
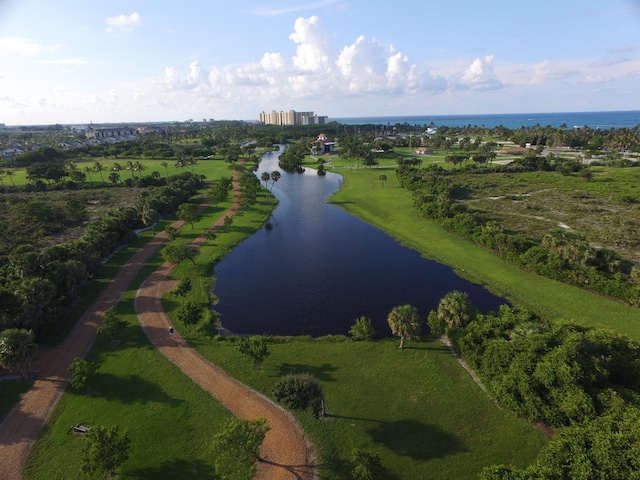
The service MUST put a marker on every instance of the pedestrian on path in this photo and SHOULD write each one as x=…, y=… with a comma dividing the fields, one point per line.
x=171, y=330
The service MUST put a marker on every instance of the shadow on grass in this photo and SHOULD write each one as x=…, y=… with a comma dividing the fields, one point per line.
x=416, y=440
x=130, y=389
x=177, y=469
x=321, y=372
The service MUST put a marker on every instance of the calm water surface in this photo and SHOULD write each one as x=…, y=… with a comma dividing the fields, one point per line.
x=319, y=268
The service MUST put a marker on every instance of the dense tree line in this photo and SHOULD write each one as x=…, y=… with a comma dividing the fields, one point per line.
x=37, y=283
x=560, y=255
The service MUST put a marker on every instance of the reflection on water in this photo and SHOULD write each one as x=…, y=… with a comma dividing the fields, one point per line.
x=319, y=268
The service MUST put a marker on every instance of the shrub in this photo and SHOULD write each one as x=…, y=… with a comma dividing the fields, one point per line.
x=362, y=330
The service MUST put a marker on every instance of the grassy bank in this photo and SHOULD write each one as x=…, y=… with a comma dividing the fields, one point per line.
x=417, y=408
x=390, y=209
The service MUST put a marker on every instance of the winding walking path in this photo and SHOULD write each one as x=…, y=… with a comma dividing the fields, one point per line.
x=19, y=430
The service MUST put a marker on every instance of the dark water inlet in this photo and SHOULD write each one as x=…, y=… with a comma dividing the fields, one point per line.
x=318, y=268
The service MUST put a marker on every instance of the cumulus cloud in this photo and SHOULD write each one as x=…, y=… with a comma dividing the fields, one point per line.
x=319, y=70
x=123, y=23
x=480, y=75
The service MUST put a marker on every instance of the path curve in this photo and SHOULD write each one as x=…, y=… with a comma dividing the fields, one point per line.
x=287, y=453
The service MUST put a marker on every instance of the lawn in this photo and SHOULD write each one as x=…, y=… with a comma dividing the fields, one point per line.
x=417, y=408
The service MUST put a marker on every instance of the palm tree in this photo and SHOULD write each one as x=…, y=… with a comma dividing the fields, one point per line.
x=166, y=167
x=265, y=177
x=98, y=167
x=138, y=167
x=131, y=167
x=455, y=309
x=404, y=322
x=17, y=346
x=275, y=176
x=88, y=171
x=10, y=174
x=114, y=177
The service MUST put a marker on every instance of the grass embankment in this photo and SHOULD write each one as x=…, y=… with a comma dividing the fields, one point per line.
x=390, y=209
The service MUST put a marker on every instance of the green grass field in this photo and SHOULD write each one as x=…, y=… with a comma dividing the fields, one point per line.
x=390, y=209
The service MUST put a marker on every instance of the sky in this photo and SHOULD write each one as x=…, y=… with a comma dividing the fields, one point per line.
x=83, y=61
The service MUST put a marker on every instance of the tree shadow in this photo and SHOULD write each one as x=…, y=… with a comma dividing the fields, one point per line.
x=321, y=372
x=416, y=440
x=175, y=470
x=130, y=389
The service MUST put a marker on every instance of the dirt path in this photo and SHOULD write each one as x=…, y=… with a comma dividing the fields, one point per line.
x=20, y=428
x=287, y=453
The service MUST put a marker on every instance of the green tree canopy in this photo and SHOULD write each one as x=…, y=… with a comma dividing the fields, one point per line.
x=105, y=450
x=237, y=447
x=404, y=322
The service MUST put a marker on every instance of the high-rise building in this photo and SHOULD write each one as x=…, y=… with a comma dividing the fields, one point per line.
x=291, y=118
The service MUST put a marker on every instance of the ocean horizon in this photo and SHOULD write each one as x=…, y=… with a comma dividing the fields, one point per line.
x=600, y=120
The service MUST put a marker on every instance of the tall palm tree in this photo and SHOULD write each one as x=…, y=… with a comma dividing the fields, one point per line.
x=131, y=167
x=265, y=177
x=10, y=173
x=98, y=167
x=275, y=176
x=455, y=309
x=166, y=167
x=404, y=322
x=88, y=171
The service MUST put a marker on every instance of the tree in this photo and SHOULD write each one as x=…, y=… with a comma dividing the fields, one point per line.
x=114, y=177
x=275, y=176
x=105, y=450
x=177, y=252
x=366, y=464
x=383, y=179
x=237, y=447
x=228, y=221
x=111, y=323
x=99, y=168
x=189, y=313
x=183, y=287
x=255, y=348
x=362, y=329
x=166, y=167
x=150, y=217
x=188, y=212
x=300, y=391
x=404, y=322
x=220, y=191
x=455, y=309
x=17, y=346
x=81, y=373
x=265, y=177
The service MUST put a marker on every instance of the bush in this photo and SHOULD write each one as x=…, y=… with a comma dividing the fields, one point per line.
x=299, y=392
x=366, y=464
x=189, y=313
x=362, y=330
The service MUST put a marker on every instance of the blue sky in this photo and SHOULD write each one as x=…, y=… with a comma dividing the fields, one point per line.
x=73, y=61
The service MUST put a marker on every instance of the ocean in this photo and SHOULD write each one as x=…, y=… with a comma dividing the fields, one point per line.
x=601, y=120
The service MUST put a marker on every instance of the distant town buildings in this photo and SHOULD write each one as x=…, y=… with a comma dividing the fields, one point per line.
x=292, y=118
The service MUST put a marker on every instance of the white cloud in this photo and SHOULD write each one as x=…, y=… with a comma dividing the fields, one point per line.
x=20, y=45
x=123, y=23
x=314, y=50
x=480, y=75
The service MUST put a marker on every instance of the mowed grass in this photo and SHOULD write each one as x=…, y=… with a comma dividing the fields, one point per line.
x=417, y=408
x=390, y=208
x=169, y=419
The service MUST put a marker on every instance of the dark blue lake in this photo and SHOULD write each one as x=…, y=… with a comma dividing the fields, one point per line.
x=319, y=268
